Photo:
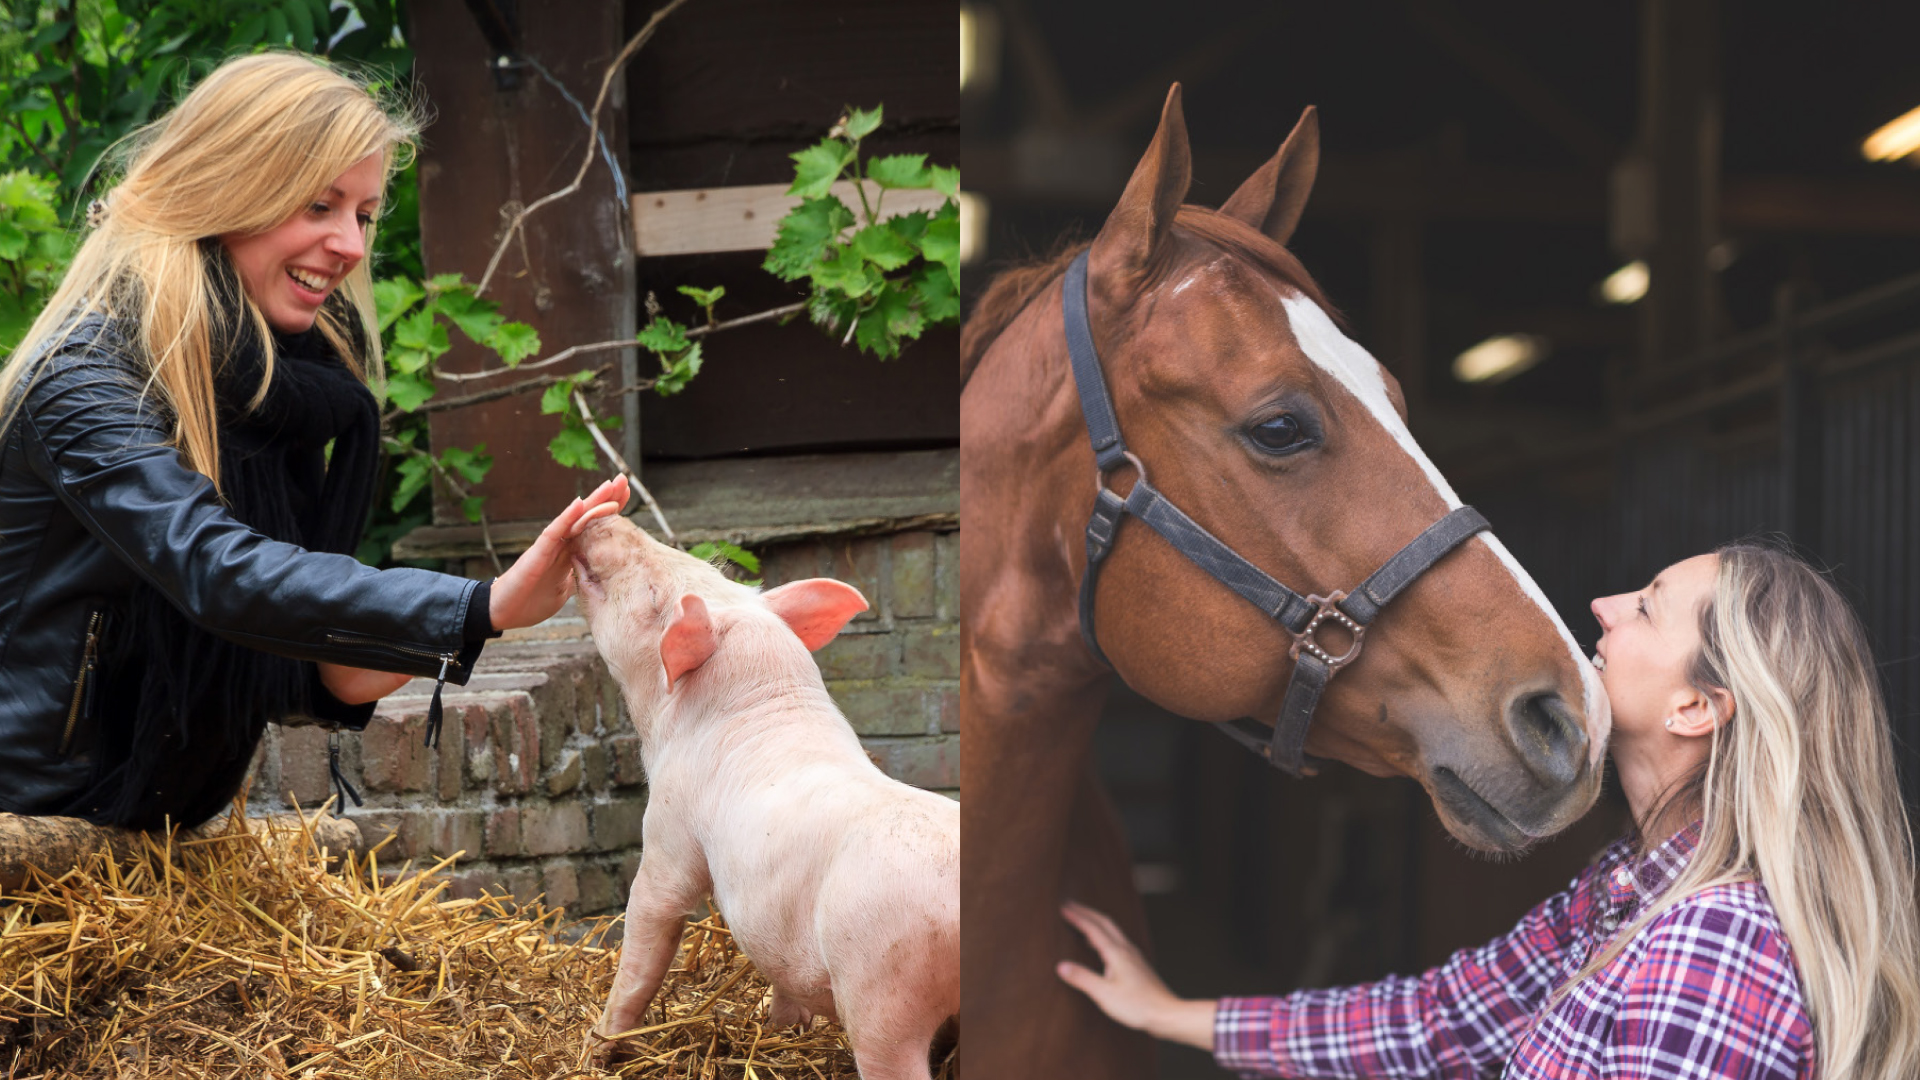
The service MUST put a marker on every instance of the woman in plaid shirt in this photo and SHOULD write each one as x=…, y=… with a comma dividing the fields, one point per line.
x=1759, y=924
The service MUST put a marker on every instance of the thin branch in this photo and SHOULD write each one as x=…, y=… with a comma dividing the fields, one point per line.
x=460, y=491
x=14, y=119
x=593, y=133
x=563, y=354
x=496, y=393
x=625, y=343
x=747, y=320
x=620, y=463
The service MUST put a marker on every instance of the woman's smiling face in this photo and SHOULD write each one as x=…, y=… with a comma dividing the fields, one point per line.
x=1648, y=639
x=291, y=269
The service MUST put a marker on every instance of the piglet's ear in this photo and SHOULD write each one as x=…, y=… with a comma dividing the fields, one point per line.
x=816, y=608
x=689, y=639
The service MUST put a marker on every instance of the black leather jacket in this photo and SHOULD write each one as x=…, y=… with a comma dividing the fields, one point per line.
x=92, y=500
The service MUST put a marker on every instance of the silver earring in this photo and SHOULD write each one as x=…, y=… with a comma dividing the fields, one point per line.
x=1669, y=723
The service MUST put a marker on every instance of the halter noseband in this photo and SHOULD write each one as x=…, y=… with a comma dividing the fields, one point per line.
x=1302, y=616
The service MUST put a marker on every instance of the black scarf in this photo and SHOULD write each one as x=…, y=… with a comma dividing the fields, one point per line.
x=182, y=710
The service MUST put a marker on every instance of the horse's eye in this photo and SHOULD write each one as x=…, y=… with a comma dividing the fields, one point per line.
x=1278, y=433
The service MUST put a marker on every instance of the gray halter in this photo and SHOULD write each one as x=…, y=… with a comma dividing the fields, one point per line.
x=1302, y=616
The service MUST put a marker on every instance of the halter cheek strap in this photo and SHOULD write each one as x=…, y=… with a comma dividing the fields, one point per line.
x=1302, y=616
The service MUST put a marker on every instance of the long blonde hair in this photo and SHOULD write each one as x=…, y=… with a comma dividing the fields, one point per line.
x=1800, y=792
x=248, y=149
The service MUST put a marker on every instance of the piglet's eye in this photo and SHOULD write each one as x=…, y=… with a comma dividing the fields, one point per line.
x=1279, y=433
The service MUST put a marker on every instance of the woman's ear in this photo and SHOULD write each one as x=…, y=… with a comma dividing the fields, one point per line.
x=1696, y=713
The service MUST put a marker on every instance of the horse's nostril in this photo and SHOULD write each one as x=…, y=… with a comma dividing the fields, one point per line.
x=1549, y=737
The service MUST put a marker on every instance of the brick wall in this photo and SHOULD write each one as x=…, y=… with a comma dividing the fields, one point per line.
x=537, y=776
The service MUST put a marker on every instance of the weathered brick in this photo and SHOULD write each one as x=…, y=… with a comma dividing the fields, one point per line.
x=477, y=726
x=516, y=744
x=377, y=825
x=946, y=575
x=439, y=834
x=593, y=766
x=522, y=882
x=566, y=773
x=859, y=656
x=933, y=653
x=950, y=710
x=450, y=758
x=616, y=824
x=392, y=755
x=858, y=562
x=558, y=829
x=303, y=766
x=932, y=762
x=912, y=595
x=791, y=562
x=562, y=885
x=503, y=833
x=883, y=708
x=554, y=713
x=627, y=768
x=469, y=884
x=601, y=888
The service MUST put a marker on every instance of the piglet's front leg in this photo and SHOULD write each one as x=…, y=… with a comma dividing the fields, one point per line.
x=656, y=912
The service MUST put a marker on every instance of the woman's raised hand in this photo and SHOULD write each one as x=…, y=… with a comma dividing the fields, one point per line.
x=541, y=579
x=1129, y=990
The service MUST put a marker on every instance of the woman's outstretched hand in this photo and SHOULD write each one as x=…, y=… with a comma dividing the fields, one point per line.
x=1128, y=990
x=541, y=579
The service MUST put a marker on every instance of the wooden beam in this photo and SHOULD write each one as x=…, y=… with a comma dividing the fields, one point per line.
x=701, y=220
x=756, y=502
x=1365, y=188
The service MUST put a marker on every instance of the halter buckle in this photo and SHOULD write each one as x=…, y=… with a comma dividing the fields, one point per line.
x=1100, y=474
x=1325, y=608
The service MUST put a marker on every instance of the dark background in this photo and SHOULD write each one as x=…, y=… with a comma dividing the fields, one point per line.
x=1478, y=177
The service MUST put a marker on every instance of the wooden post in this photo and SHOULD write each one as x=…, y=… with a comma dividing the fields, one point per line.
x=1400, y=302
x=499, y=143
x=1680, y=137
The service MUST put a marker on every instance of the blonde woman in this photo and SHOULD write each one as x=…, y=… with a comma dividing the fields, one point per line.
x=1760, y=922
x=188, y=452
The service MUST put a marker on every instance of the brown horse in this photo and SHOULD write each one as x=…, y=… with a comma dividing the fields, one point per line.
x=1266, y=425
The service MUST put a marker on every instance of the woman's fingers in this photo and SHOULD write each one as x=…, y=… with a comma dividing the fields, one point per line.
x=591, y=515
x=1100, y=931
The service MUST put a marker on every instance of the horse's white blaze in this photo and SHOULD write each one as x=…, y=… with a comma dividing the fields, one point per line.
x=1357, y=370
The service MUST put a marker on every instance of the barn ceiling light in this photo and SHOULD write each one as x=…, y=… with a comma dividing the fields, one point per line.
x=973, y=226
x=1895, y=140
x=1627, y=284
x=979, y=47
x=1498, y=359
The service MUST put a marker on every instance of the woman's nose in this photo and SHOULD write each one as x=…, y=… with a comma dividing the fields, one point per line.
x=348, y=242
x=1600, y=608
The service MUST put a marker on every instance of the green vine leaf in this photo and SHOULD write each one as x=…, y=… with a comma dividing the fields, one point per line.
x=514, y=341
x=818, y=166
x=663, y=335
x=408, y=392
x=804, y=234
x=861, y=123
x=679, y=371
x=900, y=171
x=883, y=246
x=574, y=448
x=394, y=297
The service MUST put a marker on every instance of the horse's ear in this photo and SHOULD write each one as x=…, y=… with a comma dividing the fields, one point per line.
x=1159, y=185
x=1272, y=198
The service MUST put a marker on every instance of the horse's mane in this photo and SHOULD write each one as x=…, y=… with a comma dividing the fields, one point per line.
x=1015, y=287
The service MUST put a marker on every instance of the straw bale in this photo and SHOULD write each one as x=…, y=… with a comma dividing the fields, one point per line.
x=237, y=953
x=55, y=845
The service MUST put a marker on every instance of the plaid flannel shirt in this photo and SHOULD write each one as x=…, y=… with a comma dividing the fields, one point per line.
x=1707, y=990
